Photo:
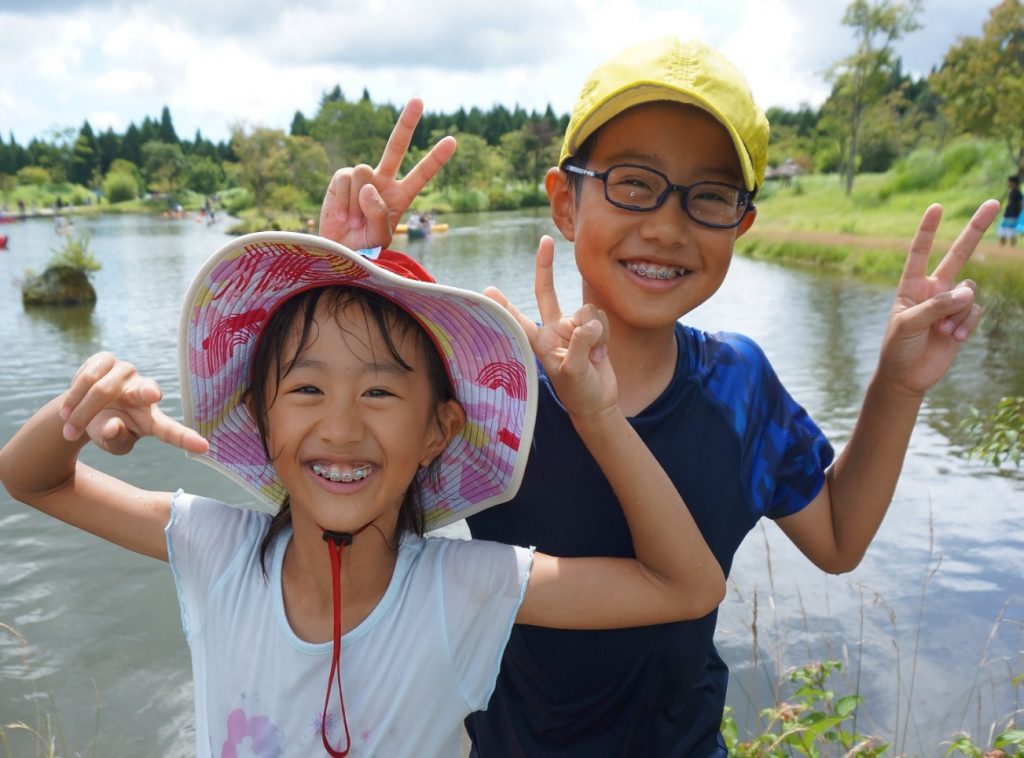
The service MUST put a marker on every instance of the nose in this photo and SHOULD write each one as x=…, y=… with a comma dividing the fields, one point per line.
x=342, y=423
x=669, y=224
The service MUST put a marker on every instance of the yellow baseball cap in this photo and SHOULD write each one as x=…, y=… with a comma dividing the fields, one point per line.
x=687, y=72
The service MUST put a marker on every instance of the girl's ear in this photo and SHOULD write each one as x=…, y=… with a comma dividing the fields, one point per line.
x=451, y=418
x=563, y=202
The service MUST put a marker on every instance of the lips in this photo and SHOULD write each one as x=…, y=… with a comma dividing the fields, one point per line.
x=650, y=270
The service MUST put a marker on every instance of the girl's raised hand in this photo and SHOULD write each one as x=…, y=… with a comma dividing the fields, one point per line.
x=934, y=315
x=572, y=349
x=111, y=403
x=364, y=204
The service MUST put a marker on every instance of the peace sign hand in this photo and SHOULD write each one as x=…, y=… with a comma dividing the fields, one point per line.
x=111, y=403
x=932, y=316
x=572, y=349
x=364, y=204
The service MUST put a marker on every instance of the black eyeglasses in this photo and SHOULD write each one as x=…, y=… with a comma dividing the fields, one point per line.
x=641, y=188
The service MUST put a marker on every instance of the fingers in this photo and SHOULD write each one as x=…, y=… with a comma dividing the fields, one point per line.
x=960, y=251
x=585, y=340
x=102, y=382
x=921, y=246
x=335, y=208
x=166, y=429
x=378, y=229
x=401, y=138
x=362, y=175
x=961, y=324
x=428, y=166
x=527, y=324
x=544, y=282
x=953, y=312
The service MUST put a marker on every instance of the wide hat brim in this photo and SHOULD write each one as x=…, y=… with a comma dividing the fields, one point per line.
x=485, y=351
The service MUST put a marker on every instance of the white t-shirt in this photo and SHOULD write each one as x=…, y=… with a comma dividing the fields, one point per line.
x=423, y=659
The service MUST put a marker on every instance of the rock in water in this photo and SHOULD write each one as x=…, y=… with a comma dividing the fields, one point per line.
x=58, y=285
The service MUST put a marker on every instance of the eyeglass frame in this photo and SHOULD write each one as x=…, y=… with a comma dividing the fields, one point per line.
x=745, y=195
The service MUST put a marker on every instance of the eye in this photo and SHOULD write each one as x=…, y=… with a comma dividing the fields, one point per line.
x=633, y=179
x=379, y=392
x=713, y=194
x=305, y=389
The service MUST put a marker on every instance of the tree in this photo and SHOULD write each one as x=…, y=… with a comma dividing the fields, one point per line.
x=982, y=80
x=85, y=158
x=859, y=80
x=166, y=129
x=163, y=166
x=262, y=160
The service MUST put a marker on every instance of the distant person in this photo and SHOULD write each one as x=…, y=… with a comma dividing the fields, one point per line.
x=21, y=208
x=1012, y=212
x=365, y=402
x=662, y=158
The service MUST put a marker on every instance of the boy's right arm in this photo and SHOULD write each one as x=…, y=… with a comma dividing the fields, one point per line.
x=109, y=403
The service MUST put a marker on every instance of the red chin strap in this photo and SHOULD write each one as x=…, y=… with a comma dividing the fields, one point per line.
x=336, y=541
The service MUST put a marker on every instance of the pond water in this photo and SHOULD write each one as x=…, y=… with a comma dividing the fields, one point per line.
x=930, y=625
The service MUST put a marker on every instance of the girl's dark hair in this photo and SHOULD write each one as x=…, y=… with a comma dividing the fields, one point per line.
x=273, y=359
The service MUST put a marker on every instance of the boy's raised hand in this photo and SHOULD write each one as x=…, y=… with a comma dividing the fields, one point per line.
x=364, y=204
x=572, y=349
x=932, y=315
x=110, y=402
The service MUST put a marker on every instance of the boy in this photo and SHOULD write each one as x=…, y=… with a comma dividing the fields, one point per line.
x=662, y=157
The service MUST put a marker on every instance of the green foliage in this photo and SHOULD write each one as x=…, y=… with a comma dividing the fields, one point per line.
x=118, y=187
x=982, y=80
x=76, y=254
x=1010, y=742
x=36, y=175
x=163, y=166
x=236, y=200
x=812, y=723
x=996, y=436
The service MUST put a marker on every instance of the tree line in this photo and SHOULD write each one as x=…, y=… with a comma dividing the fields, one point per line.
x=875, y=115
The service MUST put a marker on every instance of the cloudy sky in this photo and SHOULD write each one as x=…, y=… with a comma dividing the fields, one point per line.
x=216, y=63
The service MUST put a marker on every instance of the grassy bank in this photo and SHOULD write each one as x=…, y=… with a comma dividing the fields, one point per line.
x=812, y=222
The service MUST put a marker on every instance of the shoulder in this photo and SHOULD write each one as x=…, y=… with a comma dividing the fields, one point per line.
x=479, y=565
x=731, y=367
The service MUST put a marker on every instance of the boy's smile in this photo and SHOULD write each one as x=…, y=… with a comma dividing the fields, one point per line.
x=647, y=269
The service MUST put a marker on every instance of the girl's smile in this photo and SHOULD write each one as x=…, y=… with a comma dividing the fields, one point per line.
x=352, y=419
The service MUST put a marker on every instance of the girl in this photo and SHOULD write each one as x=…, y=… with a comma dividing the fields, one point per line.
x=367, y=403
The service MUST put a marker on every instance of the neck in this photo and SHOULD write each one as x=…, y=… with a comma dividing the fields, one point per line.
x=644, y=361
x=366, y=568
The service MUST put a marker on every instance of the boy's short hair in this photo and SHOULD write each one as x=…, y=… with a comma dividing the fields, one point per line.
x=687, y=72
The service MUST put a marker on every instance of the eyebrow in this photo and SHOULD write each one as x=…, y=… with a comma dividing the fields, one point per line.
x=368, y=367
x=646, y=159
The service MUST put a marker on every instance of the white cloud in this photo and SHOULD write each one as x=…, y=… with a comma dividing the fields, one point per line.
x=258, y=61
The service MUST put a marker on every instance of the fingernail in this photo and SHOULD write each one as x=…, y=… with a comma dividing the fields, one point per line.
x=70, y=433
x=65, y=411
x=341, y=216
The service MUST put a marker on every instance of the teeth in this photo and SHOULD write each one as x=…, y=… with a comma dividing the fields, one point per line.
x=338, y=474
x=651, y=271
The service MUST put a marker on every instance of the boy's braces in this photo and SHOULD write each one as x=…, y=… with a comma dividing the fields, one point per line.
x=330, y=472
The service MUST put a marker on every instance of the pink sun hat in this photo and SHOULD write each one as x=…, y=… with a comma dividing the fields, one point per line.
x=485, y=351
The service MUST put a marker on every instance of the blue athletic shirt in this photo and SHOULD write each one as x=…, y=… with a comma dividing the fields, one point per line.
x=737, y=447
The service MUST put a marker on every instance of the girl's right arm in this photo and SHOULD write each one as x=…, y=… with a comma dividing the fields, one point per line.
x=110, y=404
x=674, y=576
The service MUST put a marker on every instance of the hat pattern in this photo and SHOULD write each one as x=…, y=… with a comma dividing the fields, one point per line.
x=487, y=357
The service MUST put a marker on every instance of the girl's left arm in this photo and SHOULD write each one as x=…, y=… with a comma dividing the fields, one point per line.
x=674, y=576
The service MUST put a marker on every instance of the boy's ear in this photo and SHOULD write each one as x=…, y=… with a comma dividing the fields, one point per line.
x=451, y=418
x=746, y=223
x=563, y=202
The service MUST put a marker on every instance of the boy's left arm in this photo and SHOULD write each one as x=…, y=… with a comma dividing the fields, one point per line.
x=931, y=318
